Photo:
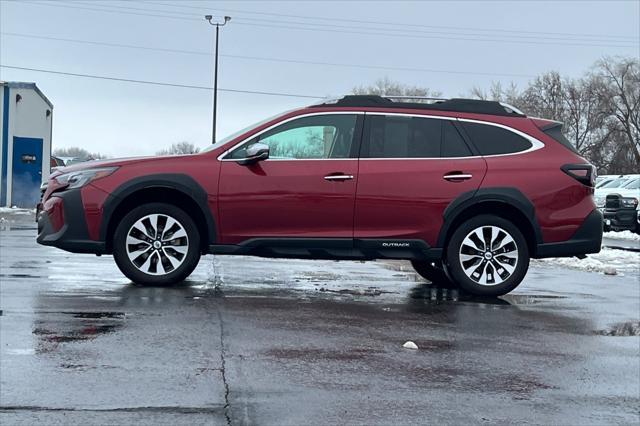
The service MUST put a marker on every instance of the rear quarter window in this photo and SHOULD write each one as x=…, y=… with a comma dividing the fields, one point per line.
x=493, y=140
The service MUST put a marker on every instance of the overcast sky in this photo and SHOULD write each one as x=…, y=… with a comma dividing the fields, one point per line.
x=450, y=46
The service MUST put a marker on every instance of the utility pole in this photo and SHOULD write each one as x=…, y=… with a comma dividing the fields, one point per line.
x=209, y=18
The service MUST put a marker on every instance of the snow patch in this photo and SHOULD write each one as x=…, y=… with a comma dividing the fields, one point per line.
x=608, y=261
x=16, y=210
x=410, y=345
x=622, y=235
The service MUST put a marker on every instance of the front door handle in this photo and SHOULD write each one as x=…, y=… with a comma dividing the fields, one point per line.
x=457, y=176
x=338, y=177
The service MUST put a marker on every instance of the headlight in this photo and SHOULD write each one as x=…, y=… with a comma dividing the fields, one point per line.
x=600, y=201
x=629, y=202
x=81, y=178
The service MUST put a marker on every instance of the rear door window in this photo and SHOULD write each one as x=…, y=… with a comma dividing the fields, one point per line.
x=493, y=140
x=412, y=137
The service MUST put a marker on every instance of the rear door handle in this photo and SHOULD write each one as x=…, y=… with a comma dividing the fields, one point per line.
x=454, y=176
x=338, y=177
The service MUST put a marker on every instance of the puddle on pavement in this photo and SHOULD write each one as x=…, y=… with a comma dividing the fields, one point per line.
x=312, y=354
x=20, y=276
x=369, y=291
x=75, y=327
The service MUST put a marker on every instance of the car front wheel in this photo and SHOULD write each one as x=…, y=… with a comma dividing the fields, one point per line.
x=156, y=244
x=487, y=256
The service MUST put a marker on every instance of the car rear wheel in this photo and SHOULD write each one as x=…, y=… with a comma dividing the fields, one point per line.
x=433, y=272
x=487, y=256
x=156, y=244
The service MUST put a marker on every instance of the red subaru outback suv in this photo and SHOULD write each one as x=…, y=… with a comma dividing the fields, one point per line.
x=467, y=190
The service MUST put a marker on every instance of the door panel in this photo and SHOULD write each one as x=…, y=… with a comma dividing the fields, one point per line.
x=407, y=198
x=412, y=168
x=307, y=187
x=26, y=171
x=289, y=198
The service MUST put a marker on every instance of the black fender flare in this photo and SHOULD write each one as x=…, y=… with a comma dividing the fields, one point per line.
x=509, y=196
x=175, y=181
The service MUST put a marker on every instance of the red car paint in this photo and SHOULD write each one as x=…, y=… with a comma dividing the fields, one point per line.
x=393, y=198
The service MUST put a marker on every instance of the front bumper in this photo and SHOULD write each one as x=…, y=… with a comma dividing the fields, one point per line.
x=73, y=235
x=587, y=239
x=621, y=219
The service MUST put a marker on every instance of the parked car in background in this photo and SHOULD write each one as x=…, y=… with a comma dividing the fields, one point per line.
x=55, y=163
x=605, y=179
x=467, y=190
x=621, y=207
x=611, y=187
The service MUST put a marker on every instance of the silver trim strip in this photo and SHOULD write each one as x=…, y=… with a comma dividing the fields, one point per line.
x=512, y=108
x=460, y=176
x=536, y=144
x=404, y=114
x=338, y=177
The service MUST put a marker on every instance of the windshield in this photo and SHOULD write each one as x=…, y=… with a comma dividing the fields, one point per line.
x=634, y=184
x=603, y=182
x=239, y=132
x=616, y=183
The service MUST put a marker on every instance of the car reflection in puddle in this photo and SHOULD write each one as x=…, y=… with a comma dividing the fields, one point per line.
x=57, y=328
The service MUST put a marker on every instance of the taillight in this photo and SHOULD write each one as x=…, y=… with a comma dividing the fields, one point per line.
x=584, y=173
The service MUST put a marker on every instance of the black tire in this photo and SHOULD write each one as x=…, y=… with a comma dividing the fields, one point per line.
x=163, y=272
x=487, y=266
x=433, y=272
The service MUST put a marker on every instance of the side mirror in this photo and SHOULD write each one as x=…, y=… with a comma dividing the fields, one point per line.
x=255, y=152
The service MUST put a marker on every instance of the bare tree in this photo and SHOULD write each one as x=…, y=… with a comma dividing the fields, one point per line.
x=77, y=152
x=180, y=148
x=600, y=110
x=497, y=92
x=388, y=87
x=621, y=91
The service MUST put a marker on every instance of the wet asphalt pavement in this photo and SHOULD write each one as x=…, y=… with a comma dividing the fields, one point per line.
x=258, y=341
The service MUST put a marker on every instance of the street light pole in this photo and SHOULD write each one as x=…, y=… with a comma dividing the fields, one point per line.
x=209, y=18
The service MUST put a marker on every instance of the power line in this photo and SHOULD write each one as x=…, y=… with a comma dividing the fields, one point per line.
x=119, y=12
x=432, y=37
x=269, y=59
x=159, y=83
x=101, y=43
x=350, y=27
x=403, y=24
x=277, y=24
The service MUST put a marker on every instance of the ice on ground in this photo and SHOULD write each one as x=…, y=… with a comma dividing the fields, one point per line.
x=410, y=345
x=624, y=262
x=622, y=235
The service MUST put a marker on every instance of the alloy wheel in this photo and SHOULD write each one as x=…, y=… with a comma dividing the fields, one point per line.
x=488, y=255
x=157, y=244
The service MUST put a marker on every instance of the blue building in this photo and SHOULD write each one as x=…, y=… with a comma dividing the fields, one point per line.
x=26, y=117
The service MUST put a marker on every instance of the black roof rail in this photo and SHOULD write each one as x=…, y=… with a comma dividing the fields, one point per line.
x=475, y=106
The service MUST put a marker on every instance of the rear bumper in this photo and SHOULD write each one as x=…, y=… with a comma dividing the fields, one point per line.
x=587, y=239
x=621, y=219
x=73, y=235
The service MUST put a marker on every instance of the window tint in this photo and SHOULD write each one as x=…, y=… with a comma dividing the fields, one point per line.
x=314, y=137
x=452, y=143
x=413, y=137
x=492, y=140
x=403, y=137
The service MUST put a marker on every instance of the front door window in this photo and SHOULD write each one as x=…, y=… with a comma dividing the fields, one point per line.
x=313, y=137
